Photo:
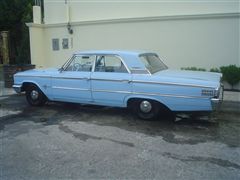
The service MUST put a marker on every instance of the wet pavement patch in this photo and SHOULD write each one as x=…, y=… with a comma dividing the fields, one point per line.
x=217, y=161
x=85, y=137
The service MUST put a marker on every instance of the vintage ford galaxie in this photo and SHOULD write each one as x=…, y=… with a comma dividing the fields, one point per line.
x=139, y=80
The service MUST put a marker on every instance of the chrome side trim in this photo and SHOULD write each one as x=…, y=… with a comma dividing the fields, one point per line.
x=150, y=94
x=170, y=95
x=68, y=88
x=33, y=76
x=174, y=84
x=75, y=78
x=102, y=90
x=112, y=80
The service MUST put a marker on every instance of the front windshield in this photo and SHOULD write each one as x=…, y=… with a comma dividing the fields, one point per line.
x=152, y=63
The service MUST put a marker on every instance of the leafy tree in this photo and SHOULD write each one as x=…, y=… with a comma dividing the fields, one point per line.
x=13, y=16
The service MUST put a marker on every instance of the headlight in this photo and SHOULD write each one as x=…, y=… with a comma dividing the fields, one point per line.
x=208, y=92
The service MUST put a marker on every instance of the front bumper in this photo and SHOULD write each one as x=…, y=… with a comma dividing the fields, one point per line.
x=17, y=88
x=216, y=102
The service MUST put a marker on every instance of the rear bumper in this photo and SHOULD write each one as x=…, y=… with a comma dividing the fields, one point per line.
x=216, y=102
x=17, y=88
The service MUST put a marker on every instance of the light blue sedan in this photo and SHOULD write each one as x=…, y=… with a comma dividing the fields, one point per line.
x=139, y=80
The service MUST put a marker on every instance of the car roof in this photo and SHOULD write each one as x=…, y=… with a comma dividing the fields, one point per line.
x=111, y=52
x=131, y=58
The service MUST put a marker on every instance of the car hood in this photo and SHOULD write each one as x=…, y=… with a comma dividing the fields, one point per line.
x=38, y=72
x=191, y=75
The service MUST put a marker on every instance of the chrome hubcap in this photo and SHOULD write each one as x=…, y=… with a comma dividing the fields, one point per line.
x=34, y=95
x=145, y=106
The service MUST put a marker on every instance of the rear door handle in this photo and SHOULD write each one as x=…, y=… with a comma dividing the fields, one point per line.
x=125, y=80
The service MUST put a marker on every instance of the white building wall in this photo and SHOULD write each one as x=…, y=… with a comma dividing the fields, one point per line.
x=57, y=58
x=184, y=34
x=37, y=41
x=210, y=42
x=88, y=10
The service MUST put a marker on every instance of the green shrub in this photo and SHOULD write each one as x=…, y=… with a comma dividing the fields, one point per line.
x=215, y=70
x=193, y=69
x=231, y=74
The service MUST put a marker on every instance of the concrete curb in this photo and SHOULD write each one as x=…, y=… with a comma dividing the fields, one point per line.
x=231, y=96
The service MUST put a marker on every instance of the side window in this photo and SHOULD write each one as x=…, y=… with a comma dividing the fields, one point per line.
x=81, y=63
x=109, y=64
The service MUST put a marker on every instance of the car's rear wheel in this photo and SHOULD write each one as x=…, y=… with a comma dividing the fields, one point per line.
x=34, y=96
x=145, y=109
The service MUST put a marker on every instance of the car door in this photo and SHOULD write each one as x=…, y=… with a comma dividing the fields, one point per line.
x=72, y=84
x=111, y=81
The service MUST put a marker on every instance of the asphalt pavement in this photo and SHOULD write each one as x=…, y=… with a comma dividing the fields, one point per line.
x=72, y=141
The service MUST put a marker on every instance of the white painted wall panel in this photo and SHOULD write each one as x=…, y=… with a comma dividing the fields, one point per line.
x=37, y=43
x=84, y=10
x=201, y=42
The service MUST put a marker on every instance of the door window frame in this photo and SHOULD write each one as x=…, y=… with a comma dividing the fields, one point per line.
x=68, y=63
x=117, y=56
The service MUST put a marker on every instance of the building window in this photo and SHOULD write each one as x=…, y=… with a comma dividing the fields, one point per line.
x=65, y=43
x=55, y=44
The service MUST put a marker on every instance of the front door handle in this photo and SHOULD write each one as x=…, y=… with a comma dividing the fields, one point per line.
x=125, y=80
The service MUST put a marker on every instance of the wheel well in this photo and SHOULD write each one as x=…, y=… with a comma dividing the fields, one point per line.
x=27, y=84
x=162, y=107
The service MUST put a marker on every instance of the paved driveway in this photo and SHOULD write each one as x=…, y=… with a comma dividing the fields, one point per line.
x=70, y=141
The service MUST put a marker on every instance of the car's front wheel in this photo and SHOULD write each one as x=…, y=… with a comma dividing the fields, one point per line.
x=145, y=109
x=34, y=96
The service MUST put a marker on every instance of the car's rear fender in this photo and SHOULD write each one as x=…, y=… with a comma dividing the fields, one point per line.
x=132, y=97
x=178, y=103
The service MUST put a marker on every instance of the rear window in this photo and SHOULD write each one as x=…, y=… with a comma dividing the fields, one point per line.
x=152, y=63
